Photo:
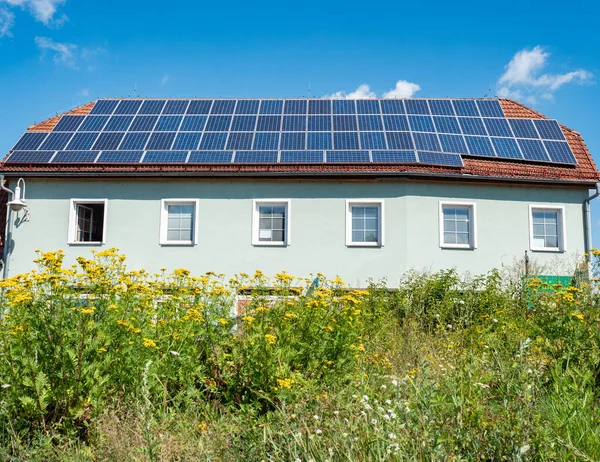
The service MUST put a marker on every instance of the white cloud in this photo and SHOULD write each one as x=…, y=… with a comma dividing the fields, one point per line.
x=7, y=20
x=63, y=53
x=524, y=80
x=165, y=79
x=363, y=91
x=42, y=10
x=85, y=92
x=403, y=89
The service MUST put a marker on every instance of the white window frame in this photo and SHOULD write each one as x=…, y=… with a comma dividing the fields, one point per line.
x=562, y=229
x=256, y=203
x=72, y=231
x=365, y=202
x=164, y=221
x=472, y=206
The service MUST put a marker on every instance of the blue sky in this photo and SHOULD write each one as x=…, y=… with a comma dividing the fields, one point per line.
x=57, y=54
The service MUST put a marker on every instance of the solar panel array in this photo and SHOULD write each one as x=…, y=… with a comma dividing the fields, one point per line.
x=296, y=131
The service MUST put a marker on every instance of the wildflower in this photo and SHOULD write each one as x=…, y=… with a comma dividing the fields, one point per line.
x=202, y=426
x=330, y=451
x=386, y=417
x=365, y=398
x=222, y=321
x=578, y=316
x=285, y=383
x=248, y=319
x=175, y=353
x=318, y=431
x=336, y=412
x=383, y=387
x=148, y=343
x=373, y=421
x=388, y=401
x=271, y=339
x=394, y=382
x=316, y=417
x=101, y=350
x=392, y=436
x=88, y=310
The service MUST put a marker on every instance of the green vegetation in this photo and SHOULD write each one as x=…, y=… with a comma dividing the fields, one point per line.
x=101, y=363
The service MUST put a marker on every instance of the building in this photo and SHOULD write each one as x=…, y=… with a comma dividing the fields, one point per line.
x=357, y=188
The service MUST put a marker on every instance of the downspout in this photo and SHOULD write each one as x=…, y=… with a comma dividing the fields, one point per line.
x=587, y=223
x=8, y=233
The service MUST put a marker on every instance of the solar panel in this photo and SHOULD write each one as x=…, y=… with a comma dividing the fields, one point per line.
x=446, y=124
x=168, y=123
x=549, y=129
x=560, y=152
x=30, y=157
x=266, y=141
x=268, y=123
x=319, y=123
x=344, y=106
x=247, y=106
x=416, y=106
x=152, y=106
x=523, y=128
x=134, y=141
x=399, y=140
x=399, y=157
x=193, y=123
x=295, y=106
x=345, y=141
x=293, y=141
x=194, y=107
x=498, y=127
x=213, y=141
x=480, y=146
x=223, y=106
x=269, y=106
x=119, y=157
x=319, y=106
x=347, y=157
x=128, y=107
x=294, y=124
x=165, y=156
x=465, y=107
x=344, y=123
x=472, y=126
x=533, y=150
x=93, y=123
x=108, y=141
x=69, y=123
x=301, y=157
x=68, y=157
x=490, y=108
x=421, y=123
x=441, y=107
x=30, y=141
x=218, y=123
x=392, y=106
x=426, y=142
x=395, y=123
x=243, y=124
x=56, y=141
x=143, y=123
x=104, y=106
x=370, y=123
x=367, y=106
x=160, y=141
x=178, y=106
x=372, y=140
x=453, y=143
x=118, y=123
x=255, y=157
x=82, y=141
x=318, y=140
x=210, y=157
x=438, y=158
x=239, y=140
x=507, y=148
x=187, y=141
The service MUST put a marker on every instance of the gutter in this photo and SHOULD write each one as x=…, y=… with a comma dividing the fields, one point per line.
x=8, y=231
x=587, y=222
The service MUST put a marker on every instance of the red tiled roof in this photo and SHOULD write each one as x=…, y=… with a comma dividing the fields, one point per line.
x=585, y=171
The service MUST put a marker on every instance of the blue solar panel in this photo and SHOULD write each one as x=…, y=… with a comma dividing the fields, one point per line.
x=523, y=128
x=93, y=123
x=213, y=141
x=105, y=106
x=372, y=140
x=152, y=106
x=223, y=106
x=143, y=123
x=549, y=129
x=30, y=157
x=416, y=106
x=498, y=127
x=108, y=141
x=560, y=152
x=30, y=141
x=165, y=156
x=218, y=123
x=344, y=106
x=160, y=141
x=243, y=124
x=395, y=123
x=75, y=157
x=465, y=107
x=266, y=141
x=69, y=123
x=392, y=106
x=319, y=140
x=301, y=157
x=128, y=107
x=168, y=123
x=533, y=150
x=82, y=141
x=426, y=142
x=120, y=157
x=344, y=123
x=453, y=143
x=295, y=106
x=447, y=124
x=370, y=123
x=347, y=157
x=56, y=141
x=480, y=146
x=367, y=106
x=438, y=158
x=193, y=123
x=196, y=106
x=187, y=141
x=293, y=141
x=507, y=148
x=255, y=157
x=441, y=107
x=118, y=123
x=294, y=123
x=319, y=123
x=345, y=141
x=247, y=106
x=270, y=106
x=319, y=106
x=268, y=123
x=472, y=126
x=210, y=157
x=490, y=108
x=238, y=140
x=398, y=157
x=134, y=141
x=421, y=123
x=399, y=140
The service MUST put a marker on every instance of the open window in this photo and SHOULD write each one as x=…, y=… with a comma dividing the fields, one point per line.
x=87, y=221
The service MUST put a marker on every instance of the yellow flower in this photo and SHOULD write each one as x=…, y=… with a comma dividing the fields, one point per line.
x=248, y=319
x=290, y=316
x=101, y=350
x=222, y=321
x=285, y=383
x=89, y=310
x=577, y=315
x=361, y=347
x=149, y=343
x=271, y=339
x=202, y=426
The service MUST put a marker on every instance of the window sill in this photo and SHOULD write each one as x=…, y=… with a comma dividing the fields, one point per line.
x=547, y=249
x=86, y=243
x=179, y=243
x=270, y=244
x=363, y=244
x=457, y=247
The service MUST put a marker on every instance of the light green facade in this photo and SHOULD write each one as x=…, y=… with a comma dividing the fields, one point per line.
x=317, y=225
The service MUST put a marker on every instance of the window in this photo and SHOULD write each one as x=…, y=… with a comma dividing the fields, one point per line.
x=178, y=222
x=364, y=223
x=87, y=221
x=547, y=229
x=457, y=225
x=271, y=220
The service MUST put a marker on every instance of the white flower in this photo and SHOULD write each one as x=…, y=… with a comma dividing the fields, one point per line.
x=386, y=417
x=368, y=407
x=529, y=371
x=482, y=385
x=388, y=401
x=175, y=353
x=392, y=436
x=316, y=417
x=495, y=320
x=354, y=396
x=449, y=326
x=298, y=460
x=437, y=315
x=395, y=382
x=345, y=435
x=383, y=387
x=363, y=412
x=318, y=431
x=330, y=451
x=336, y=412
x=393, y=415
x=365, y=398
x=380, y=409
x=373, y=421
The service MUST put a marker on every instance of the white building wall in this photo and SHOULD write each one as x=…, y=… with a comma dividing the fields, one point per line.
x=317, y=225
